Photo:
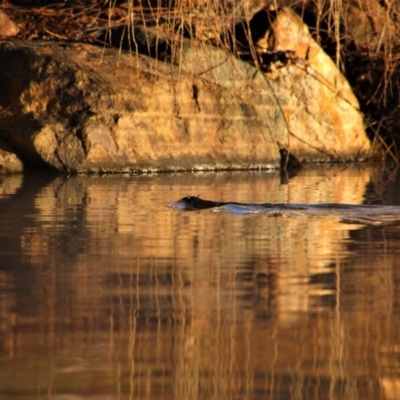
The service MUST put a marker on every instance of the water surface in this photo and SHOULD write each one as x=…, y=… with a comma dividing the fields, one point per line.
x=108, y=293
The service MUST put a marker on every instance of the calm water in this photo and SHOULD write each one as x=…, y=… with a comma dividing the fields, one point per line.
x=107, y=293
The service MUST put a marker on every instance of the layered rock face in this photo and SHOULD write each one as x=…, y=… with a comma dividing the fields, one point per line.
x=80, y=108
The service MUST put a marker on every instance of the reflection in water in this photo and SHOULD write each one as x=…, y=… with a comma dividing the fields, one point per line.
x=107, y=292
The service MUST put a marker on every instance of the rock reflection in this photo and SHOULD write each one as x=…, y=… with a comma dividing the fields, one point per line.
x=105, y=291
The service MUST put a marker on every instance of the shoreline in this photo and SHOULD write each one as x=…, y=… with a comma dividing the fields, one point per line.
x=197, y=56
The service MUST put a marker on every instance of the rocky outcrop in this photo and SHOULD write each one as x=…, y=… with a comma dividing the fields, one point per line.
x=309, y=104
x=9, y=162
x=80, y=108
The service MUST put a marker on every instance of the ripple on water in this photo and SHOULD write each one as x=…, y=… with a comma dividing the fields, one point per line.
x=105, y=291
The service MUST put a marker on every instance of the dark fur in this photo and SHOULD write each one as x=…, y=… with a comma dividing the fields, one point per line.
x=192, y=203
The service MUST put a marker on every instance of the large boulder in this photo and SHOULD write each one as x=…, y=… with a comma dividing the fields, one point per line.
x=81, y=108
x=308, y=102
x=9, y=162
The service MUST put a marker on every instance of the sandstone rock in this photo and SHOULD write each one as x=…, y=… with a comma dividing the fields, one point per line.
x=309, y=106
x=81, y=108
x=332, y=123
x=7, y=26
x=9, y=162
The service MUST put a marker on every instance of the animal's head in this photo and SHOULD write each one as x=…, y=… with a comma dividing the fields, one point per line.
x=190, y=203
